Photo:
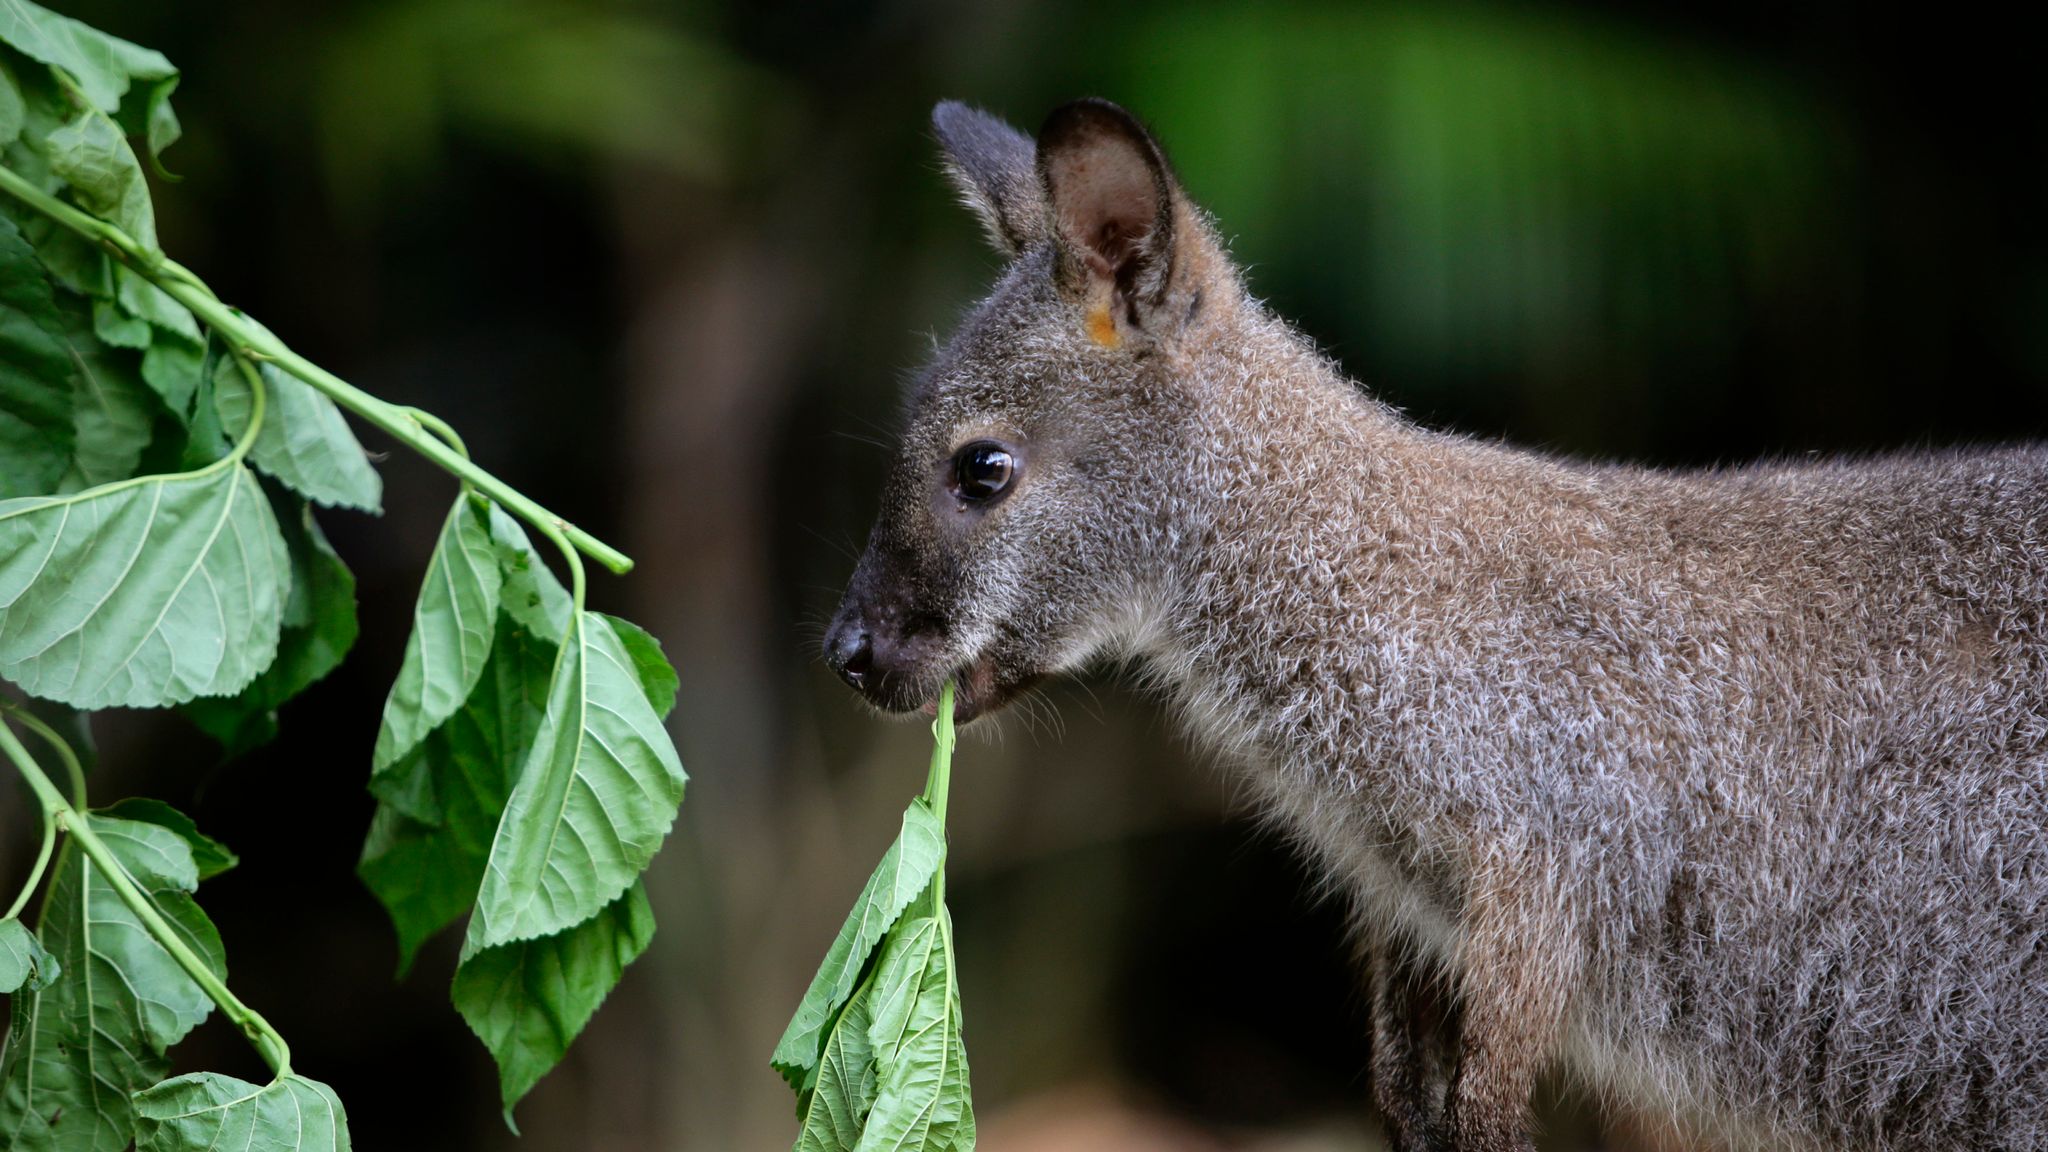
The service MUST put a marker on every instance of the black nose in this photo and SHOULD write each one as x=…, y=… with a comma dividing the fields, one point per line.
x=851, y=653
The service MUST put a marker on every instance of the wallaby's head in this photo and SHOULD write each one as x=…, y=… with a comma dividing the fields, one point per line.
x=1045, y=475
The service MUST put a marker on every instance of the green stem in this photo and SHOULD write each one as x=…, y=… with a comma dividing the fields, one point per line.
x=74, y=770
x=938, y=782
x=268, y=1043
x=253, y=339
x=35, y=874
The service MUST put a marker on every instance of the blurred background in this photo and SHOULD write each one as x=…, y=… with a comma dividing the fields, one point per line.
x=666, y=266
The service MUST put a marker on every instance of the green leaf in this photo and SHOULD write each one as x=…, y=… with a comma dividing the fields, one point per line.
x=452, y=625
x=92, y=156
x=23, y=963
x=145, y=301
x=921, y=1095
x=834, y=1113
x=103, y=65
x=36, y=433
x=173, y=367
x=118, y=328
x=98, y=1033
x=209, y=856
x=593, y=801
x=531, y=593
x=319, y=628
x=143, y=593
x=208, y=1112
x=905, y=872
x=528, y=1000
x=113, y=413
x=304, y=441
x=439, y=808
x=13, y=110
x=657, y=678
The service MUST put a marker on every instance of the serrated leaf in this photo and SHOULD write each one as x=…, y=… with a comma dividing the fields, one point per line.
x=657, y=678
x=593, y=802
x=531, y=593
x=172, y=368
x=527, y=1001
x=98, y=1033
x=118, y=328
x=36, y=432
x=304, y=441
x=905, y=872
x=23, y=963
x=210, y=857
x=438, y=809
x=319, y=628
x=103, y=65
x=141, y=594
x=921, y=1096
x=836, y=1110
x=90, y=154
x=208, y=1112
x=145, y=301
x=452, y=625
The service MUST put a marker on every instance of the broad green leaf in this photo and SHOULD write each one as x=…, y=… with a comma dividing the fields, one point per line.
x=656, y=677
x=836, y=1110
x=113, y=413
x=103, y=65
x=172, y=368
x=23, y=963
x=319, y=627
x=141, y=594
x=208, y=1112
x=905, y=872
x=439, y=808
x=528, y=1000
x=593, y=802
x=98, y=1033
x=92, y=156
x=36, y=433
x=532, y=594
x=304, y=441
x=118, y=328
x=209, y=856
x=921, y=1097
x=452, y=625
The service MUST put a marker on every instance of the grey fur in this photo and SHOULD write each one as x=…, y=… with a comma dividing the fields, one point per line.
x=1725, y=790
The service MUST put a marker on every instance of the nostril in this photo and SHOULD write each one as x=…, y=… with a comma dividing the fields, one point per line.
x=856, y=657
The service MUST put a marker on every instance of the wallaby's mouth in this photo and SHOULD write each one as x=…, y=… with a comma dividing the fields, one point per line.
x=980, y=689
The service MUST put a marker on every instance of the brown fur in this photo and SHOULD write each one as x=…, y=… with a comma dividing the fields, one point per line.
x=1727, y=791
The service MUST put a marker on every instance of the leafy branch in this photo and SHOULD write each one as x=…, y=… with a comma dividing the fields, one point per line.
x=161, y=454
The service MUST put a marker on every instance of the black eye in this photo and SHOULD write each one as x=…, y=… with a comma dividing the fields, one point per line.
x=983, y=471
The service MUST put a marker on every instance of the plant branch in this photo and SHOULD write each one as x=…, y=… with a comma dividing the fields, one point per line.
x=403, y=424
x=55, y=807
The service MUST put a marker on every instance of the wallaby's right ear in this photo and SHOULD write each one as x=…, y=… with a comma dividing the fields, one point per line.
x=995, y=169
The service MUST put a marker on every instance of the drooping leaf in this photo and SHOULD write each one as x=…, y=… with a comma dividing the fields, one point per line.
x=35, y=374
x=528, y=1000
x=145, y=301
x=92, y=156
x=452, y=626
x=172, y=368
x=209, y=856
x=23, y=963
x=304, y=441
x=921, y=1097
x=118, y=328
x=208, y=1112
x=836, y=1110
x=439, y=807
x=13, y=111
x=531, y=594
x=905, y=872
x=98, y=1033
x=103, y=65
x=319, y=628
x=593, y=802
x=143, y=593
x=657, y=678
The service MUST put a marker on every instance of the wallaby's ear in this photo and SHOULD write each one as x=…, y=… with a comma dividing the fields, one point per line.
x=1111, y=198
x=992, y=167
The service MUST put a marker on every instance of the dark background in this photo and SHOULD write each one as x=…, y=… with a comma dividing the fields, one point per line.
x=666, y=265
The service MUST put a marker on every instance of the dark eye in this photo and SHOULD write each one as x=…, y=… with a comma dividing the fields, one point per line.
x=983, y=471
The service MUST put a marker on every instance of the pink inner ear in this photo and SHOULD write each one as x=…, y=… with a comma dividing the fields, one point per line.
x=1107, y=199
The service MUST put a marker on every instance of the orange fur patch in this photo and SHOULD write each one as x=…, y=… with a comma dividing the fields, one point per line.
x=1102, y=327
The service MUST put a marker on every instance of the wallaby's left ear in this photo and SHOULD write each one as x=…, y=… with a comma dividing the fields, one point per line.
x=1111, y=199
x=991, y=164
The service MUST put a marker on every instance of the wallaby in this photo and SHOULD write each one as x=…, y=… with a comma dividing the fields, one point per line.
x=1725, y=791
